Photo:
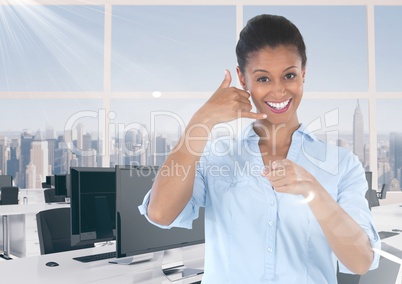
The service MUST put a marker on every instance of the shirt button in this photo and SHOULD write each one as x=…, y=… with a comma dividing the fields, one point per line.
x=269, y=249
x=271, y=223
x=272, y=203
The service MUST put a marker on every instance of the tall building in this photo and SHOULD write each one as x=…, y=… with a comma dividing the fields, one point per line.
x=30, y=176
x=358, y=133
x=80, y=134
x=88, y=155
x=395, y=153
x=49, y=132
x=3, y=158
x=79, y=143
x=40, y=159
x=130, y=148
x=161, y=150
x=52, y=147
x=86, y=142
x=89, y=159
x=25, y=157
x=13, y=163
x=62, y=157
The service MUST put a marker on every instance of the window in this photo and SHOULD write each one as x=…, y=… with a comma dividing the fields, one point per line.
x=104, y=66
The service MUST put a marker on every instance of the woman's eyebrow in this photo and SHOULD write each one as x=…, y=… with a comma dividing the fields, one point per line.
x=265, y=71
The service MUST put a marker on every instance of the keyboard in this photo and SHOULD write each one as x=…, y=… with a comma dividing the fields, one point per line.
x=96, y=257
x=384, y=234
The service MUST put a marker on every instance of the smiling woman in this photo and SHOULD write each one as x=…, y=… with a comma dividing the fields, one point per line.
x=308, y=201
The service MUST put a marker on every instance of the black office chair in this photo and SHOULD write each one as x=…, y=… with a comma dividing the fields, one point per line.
x=371, y=196
x=9, y=195
x=383, y=193
x=50, y=196
x=45, y=185
x=54, y=231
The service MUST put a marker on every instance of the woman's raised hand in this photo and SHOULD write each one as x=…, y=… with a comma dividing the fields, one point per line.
x=227, y=104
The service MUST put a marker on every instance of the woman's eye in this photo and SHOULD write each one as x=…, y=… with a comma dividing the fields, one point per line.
x=263, y=79
x=290, y=76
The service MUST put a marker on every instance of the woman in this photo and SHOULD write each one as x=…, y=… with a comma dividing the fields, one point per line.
x=306, y=210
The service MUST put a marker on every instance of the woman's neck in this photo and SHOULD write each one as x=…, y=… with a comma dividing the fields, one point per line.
x=277, y=137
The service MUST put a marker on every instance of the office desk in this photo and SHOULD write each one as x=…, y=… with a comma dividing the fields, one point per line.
x=386, y=218
x=13, y=223
x=33, y=269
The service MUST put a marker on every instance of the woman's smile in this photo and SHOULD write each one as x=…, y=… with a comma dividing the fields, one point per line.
x=279, y=107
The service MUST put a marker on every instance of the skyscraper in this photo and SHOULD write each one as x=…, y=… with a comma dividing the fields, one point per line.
x=161, y=152
x=40, y=159
x=3, y=158
x=395, y=153
x=358, y=133
x=49, y=132
x=52, y=147
x=25, y=157
x=14, y=163
x=62, y=157
x=80, y=141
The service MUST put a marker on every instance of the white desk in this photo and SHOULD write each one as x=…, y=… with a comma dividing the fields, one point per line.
x=33, y=269
x=386, y=218
x=14, y=231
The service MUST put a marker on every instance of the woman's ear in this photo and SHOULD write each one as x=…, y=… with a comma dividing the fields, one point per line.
x=242, y=80
x=304, y=74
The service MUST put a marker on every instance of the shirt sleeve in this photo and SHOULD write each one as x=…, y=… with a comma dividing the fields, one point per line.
x=351, y=198
x=190, y=211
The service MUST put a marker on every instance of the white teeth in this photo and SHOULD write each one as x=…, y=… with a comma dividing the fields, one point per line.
x=279, y=106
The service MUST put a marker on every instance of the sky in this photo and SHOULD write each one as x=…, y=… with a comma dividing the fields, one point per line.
x=162, y=48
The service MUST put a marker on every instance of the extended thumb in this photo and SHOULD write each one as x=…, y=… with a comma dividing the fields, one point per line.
x=227, y=80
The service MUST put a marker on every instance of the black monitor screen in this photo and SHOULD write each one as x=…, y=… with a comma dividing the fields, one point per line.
x=93, y=205
x=135, y=235
x=6, y=180
x=60, y=185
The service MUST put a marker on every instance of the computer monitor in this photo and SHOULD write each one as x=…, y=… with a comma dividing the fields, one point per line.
x=60, y=185
x=50, y=182
x=135, y=234
x=6, y=180
x=93, y=205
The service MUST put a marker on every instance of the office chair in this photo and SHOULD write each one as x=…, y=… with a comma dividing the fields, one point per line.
x=383, y=193
x=54, y=231
x=9, y=195
x=50, y=196
x=371, y=196
x=45, y=185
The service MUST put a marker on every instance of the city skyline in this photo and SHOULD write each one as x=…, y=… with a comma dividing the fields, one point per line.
x=30, y=157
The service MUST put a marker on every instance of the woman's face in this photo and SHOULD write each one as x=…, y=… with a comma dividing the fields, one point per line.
x=274, y=78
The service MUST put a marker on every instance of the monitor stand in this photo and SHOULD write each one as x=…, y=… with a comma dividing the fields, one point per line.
x=133, y=259
x=177, y=270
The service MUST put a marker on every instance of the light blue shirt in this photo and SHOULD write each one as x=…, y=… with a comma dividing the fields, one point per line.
x=256, y=235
